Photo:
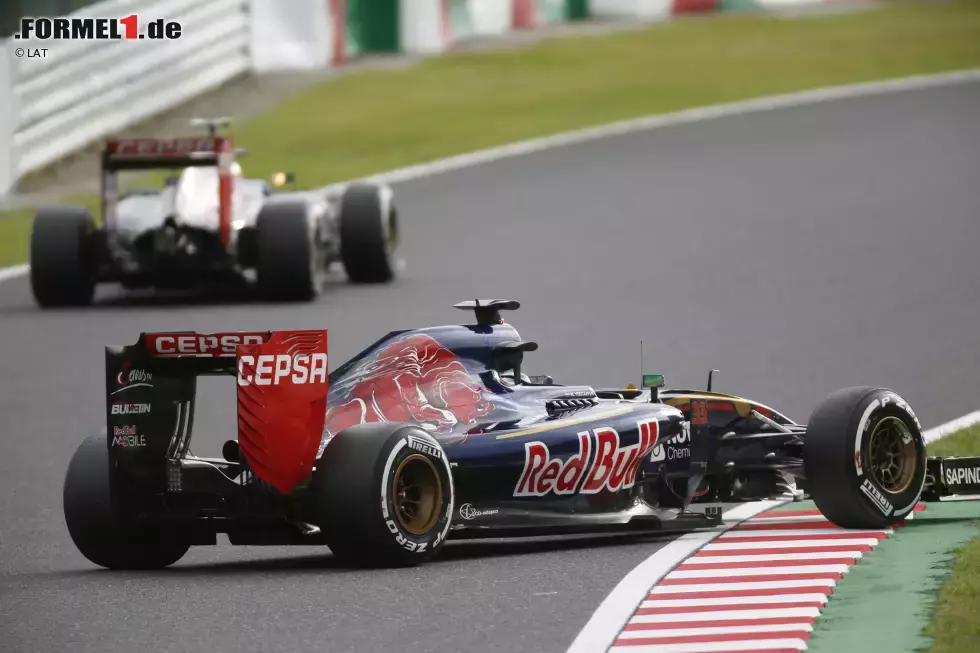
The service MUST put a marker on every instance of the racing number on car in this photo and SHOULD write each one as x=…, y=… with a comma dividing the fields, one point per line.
x=699, y=411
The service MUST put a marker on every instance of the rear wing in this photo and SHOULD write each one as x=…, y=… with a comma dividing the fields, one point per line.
x=151, y=388
x=161, y=153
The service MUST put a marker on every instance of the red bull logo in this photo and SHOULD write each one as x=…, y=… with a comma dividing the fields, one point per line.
x=414, y=379
x=613, y=468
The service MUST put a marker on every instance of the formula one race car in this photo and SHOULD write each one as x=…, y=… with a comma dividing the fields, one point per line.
x=209, y=224
x=436, y=433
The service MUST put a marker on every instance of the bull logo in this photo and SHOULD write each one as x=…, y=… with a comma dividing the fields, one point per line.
x=414, y=379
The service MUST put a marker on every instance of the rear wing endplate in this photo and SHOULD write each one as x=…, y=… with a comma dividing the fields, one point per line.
x=282, y=385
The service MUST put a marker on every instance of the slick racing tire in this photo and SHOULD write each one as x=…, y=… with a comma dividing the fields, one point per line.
x=383, y=495
x=864, y=458
x=98, y=531
x=368, y=233
x=287, y=267
x=63, y=257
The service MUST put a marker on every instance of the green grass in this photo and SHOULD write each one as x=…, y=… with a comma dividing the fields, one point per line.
x=955, y=626
x=965, y=442
x=367, y=122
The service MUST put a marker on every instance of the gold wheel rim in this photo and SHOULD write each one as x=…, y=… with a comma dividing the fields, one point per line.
x=418, y=494
x=892, y=454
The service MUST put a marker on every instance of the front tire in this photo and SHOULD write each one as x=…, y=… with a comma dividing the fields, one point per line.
x=864, y=458
x=368, y=233
x=287, y=266
x=383, y=495
x=98, y=531
x=63, y=257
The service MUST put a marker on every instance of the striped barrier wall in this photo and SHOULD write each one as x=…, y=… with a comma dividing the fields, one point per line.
x=433, y=26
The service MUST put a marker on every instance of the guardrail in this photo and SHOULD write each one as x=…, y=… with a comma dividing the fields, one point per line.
x=83, y=90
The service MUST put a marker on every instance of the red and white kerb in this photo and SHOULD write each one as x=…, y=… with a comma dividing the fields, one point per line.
x=758, y=587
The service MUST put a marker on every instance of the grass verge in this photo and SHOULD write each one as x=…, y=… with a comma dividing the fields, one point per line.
x=955, y=626
x=367, y=122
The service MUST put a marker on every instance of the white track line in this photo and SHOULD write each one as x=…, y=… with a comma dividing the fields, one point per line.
x=720, y=630
x=733, y=560
x=726, y=615
x=647, y=123
x=943, y=430
x=741, y=601
x=699, y=114
x=735, y=570
x=718, y=647
x=789, y=544
x=803, y=533
x=665, y=591
x=14, y=271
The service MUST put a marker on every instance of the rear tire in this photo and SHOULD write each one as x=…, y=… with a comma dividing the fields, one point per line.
x=98, y=531
x=287, y=266
x=368, y=233
x=357, y=501
x=864, y=458
x=63, y=257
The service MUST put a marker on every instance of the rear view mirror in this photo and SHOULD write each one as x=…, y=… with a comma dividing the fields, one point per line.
x=653, y=380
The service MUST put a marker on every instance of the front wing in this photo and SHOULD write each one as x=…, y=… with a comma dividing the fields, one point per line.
x=951, y=477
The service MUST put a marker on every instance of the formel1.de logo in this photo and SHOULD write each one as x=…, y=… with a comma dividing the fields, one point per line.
x=44, y=28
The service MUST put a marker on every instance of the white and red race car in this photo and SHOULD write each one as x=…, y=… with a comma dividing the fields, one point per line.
x=208, y=224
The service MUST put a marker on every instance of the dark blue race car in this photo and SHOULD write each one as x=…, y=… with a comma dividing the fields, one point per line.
x=438, y=433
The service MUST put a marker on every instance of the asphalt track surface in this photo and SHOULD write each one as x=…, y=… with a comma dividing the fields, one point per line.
x=797, y=251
